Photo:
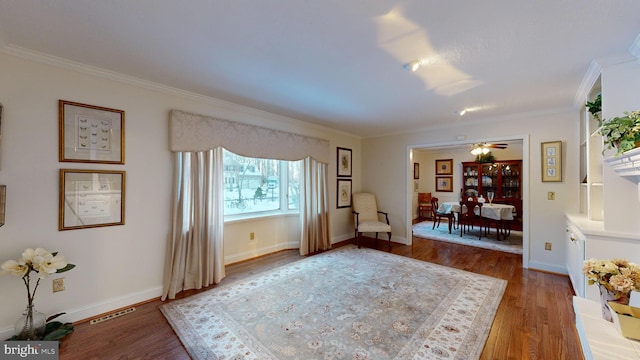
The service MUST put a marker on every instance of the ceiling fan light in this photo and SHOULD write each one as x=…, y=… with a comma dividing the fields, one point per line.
x=485, y=150
x=412, y=65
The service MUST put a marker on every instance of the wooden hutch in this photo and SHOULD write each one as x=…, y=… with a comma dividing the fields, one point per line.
x=504, y=178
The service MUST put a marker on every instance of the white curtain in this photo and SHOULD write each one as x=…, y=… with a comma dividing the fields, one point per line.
x=314, y=207
x=195, y=256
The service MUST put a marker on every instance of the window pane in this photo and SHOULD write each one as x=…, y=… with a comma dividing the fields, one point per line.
x=250, y=184
x=294, y=184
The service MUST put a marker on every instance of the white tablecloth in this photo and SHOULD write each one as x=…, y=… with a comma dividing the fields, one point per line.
x=498, y=211
x=491, y=211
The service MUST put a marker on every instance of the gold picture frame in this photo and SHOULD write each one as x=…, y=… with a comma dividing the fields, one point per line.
x=444, y=183
x=90, y=134
x=551, y=161
x=444, y=167
x=91, y=198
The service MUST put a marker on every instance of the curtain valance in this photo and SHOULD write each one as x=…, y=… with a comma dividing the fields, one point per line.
x=193, y=132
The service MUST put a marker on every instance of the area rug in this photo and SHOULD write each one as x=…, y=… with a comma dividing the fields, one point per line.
x=347, y=303
x=512, y=244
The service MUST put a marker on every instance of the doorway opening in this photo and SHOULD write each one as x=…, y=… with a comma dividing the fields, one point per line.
x=426, y=154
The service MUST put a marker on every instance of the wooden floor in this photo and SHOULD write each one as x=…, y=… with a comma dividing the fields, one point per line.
x=535, y=319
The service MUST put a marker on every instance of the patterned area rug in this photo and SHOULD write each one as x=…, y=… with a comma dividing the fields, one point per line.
x=512, y=244
x=347, y=303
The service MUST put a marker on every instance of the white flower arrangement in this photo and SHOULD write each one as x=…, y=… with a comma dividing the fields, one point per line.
x=43, y=263
x=616, y=275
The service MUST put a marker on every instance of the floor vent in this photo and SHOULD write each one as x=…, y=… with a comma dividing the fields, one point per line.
x=112, y=316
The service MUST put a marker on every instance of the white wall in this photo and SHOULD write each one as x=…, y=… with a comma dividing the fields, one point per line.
x=116, y=265
x=389, y=155
x=620, y=89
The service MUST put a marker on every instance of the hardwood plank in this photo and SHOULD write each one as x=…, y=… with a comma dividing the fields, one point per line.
x=535, y=319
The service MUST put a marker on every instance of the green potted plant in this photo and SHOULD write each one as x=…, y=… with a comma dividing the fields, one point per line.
x=485, y=158
x=595, y=106
x=622, y=133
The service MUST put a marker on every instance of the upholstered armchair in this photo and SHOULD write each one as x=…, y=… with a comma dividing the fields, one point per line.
x=367, y=218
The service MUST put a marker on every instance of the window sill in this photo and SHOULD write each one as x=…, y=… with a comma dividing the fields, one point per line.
x=232, y=219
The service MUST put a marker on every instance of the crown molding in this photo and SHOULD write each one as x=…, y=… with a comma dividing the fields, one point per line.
x=589, y=79
x=634, y=49
x=59, y=62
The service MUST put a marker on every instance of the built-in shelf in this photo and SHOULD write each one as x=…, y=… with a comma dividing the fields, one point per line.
x=626, y=164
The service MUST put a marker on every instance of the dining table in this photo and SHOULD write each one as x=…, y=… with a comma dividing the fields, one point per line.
x=491, y=211
x=500, y=213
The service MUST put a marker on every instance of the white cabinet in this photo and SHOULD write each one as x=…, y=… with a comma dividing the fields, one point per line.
x=575, y=257
x=598, y=244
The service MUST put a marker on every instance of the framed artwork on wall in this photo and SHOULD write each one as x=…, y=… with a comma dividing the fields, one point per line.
x=90, y=134
x=444, y=167
x=551, y=161
x=444, y=183
x=91, y=198
x=344, y=162
x=344, y=193
x=416, y=171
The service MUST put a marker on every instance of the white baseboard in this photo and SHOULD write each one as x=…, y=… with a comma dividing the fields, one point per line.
x=533, y=265
x=339, y=238
x=103, y=307
x=259, y=252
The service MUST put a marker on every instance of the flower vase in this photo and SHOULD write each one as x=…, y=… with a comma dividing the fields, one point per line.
x=607, y=295
x=31, y=325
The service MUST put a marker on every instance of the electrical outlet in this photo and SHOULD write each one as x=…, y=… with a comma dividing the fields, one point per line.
x=58, y=284
x=551, y=195
x=252, y=236
x=547, y=246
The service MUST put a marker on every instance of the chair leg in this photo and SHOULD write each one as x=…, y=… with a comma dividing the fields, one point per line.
x=389, y=233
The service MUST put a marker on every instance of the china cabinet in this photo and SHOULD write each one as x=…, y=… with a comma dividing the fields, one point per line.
x=503, y=178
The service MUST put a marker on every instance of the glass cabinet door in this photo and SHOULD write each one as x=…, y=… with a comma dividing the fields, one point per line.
x=490, y=180
x=470, y=175
x=510, y=180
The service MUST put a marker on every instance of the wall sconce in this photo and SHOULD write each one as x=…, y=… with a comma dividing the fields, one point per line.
x=3, y=201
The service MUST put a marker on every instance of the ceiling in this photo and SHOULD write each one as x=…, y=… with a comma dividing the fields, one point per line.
x=339, y=63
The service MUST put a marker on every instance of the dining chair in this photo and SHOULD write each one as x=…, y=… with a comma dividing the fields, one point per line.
x=469, y=216
x=438, y=215
x=424, y=206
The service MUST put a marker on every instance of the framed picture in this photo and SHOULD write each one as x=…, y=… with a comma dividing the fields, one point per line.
x=344, y=193
x=551, y=161
x=90, y=134
x=444, y=183
x=91, y=198
x=344, y=162
x=444, y=167
x=416, y=171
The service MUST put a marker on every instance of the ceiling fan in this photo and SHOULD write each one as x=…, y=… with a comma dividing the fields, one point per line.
x=483, y=148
